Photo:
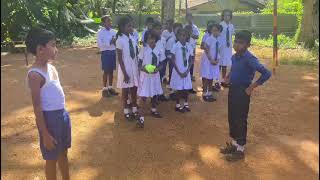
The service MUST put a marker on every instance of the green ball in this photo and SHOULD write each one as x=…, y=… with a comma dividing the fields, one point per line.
x=150, y=68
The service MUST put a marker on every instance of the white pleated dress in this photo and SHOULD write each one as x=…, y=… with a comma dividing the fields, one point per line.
x=226, y=52
x=177, y=82
x=208, y=70
x=150, y=84
x=131, y=65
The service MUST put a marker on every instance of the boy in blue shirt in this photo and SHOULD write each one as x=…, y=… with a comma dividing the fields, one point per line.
x=244, y=66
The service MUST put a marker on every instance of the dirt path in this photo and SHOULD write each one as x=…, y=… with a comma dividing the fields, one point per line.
x=282, y=144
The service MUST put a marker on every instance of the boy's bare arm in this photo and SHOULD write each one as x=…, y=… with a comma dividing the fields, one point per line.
x=35, y=85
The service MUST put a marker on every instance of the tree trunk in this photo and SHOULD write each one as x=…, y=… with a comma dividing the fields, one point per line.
x=168, y=10
x=114, y=6
x=309, y=25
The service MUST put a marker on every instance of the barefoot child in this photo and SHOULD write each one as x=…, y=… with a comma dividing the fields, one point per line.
x=106, y=40
x=244, y=66
x=150, y=84
x=128, y=76
x=48, y=101
x=181, y=78
x=209, y=68
x=226, y=34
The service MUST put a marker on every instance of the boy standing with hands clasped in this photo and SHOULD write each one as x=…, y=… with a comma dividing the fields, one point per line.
x=244, y=66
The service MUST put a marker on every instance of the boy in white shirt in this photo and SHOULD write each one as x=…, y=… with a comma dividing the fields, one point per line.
x=106, y=40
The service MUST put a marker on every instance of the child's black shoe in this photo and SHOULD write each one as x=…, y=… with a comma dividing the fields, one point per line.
x=113, y=92
x=192, y=91
x=128, y=117
x=156, y=114
x=186, y=108
x=235, y=156
x=230, y=148
x=180, y=109
x=163, y=98
x=140, y=122
x=106, y=93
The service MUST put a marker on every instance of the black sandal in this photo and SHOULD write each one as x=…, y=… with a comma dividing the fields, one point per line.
x=140, y=122
x=180, y=109
x=136, y=115
x=187, y=108
x=156, y=114
x=128, y=117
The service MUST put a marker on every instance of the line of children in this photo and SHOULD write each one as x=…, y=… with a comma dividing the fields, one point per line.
x=53, y=121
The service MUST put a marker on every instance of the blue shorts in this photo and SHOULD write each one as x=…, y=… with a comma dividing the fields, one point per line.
x=59, y=126
x=108, y=60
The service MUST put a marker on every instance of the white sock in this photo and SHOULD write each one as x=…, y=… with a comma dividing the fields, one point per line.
x=134, y=109
x=178, y=105
x=240, y=148
x=104, y=88
x=185, y=104
x=128, y=101
x=125, y=110
x=209, y=93
x=153, y=109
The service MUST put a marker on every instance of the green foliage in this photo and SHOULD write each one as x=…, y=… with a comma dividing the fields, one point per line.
x=66, y=18
x=284, y=42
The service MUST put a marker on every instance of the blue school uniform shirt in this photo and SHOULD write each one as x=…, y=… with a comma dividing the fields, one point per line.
x=243, y=69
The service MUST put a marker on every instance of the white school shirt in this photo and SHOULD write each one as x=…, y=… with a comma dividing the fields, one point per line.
x=177, y=82
x=224, y=32
x=51, y=93
x=131, y=65
x=192, y=44
x=211, y=44
x=145, y=54
x=165, y=38
x=104, y=37
x=150, y=84
x=177, y=51
x=135, y=35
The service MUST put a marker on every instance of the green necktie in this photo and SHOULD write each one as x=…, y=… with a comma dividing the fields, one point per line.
x=132, y=54
x=154, y=59
x=184, y=55
x=228, y=37
x=216, y=55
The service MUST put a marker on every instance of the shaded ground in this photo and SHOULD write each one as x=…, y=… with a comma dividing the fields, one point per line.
x=282, y=144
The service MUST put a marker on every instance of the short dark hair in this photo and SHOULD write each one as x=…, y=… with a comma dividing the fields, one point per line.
x=105, y=17
x=244, y=35
x=149, y=20
x=36, y=37
x=156, y=23
x=224, y=12
x=151, y=35
x=170, y=21
x=182, y=30
x=218, y=26
x=175, y=25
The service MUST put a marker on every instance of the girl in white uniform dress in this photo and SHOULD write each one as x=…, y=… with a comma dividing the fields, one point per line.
x=150, y=83
x=181, y=79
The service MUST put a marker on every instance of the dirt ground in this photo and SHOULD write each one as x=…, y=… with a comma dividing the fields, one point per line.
x=282, y=135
